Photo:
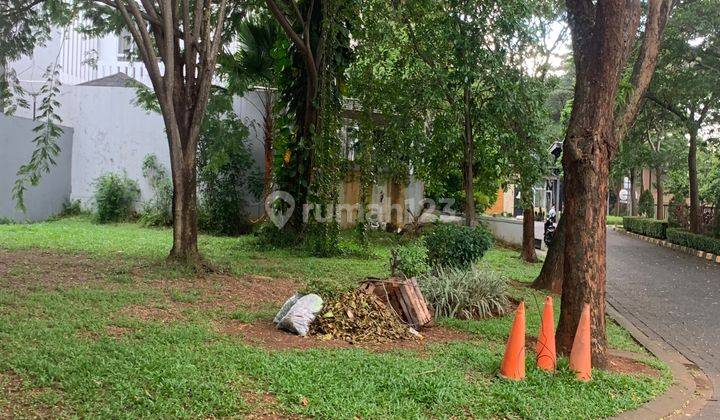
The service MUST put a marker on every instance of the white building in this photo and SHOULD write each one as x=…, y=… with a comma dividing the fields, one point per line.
x=111, y=133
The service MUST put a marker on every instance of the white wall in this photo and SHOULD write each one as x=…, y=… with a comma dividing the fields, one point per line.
x=111, y=135
x=114, y=135
x=506, y=229
x=16, y=147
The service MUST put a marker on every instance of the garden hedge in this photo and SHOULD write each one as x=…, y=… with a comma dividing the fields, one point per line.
x=691, y=240
x=648, y=227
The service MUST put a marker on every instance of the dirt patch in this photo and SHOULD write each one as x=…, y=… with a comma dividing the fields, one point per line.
x=19, y=401
x=617, y=363
x=219, y=291
x=112, y=331
x=33, y=269
x=264, y=405
x=265, y=334
x=630, y=366
x=164, y=315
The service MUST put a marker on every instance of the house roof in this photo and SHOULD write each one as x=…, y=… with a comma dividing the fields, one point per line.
x=119, y=79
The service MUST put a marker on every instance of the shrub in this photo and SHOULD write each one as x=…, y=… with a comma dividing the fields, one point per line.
x=158, y=210
x=270, y=237
x=115, y=197
x=71, y=208
x=646, y=205
x=227, y=174
x=410, y=260
x=694, y=241
x=452, y=245
x=6, y=221
x=466, y=293
x=716, y=221
x=648, y=227
x=677, y=216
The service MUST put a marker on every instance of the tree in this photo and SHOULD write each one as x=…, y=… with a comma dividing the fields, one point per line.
x=529, y=121
x=179, y=44
x=256, y=62
x=603, y=35
x=525, y=148
x=445, y=61
x=686, y=82
x=636, y=83
x=319, y=52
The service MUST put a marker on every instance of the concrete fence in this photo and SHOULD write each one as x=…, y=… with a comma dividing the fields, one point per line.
x=16, y=147
x=507, y=230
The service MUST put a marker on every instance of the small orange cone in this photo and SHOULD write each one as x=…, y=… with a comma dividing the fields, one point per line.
x=546, y=357
x=513, y=363
x=580, y=356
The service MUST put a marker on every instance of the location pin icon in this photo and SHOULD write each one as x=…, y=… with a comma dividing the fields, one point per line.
x=279, y=213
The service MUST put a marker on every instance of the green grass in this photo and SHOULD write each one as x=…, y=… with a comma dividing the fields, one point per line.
x=614, y=220
x=58, y=341
x=150, y=246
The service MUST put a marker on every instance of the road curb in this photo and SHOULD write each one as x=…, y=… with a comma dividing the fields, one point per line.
x=691, y=388
x=707, y=256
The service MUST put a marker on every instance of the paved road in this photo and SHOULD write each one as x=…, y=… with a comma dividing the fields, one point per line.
x=672, y=297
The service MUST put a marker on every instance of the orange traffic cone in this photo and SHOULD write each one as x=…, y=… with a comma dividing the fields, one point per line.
x=513, y=363
x=546, y=358
x=580, y=356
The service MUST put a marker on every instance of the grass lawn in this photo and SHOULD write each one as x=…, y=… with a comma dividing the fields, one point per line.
x=614, y=220
x=93, y=325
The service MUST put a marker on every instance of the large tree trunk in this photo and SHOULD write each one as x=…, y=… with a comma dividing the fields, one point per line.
x=633, y=201
x=468, y=159
x=528, y=240
x=551, y=275
x=659, y=191
x=584, y=251
x=185, y=229
x=602, y=37
x=695, y=222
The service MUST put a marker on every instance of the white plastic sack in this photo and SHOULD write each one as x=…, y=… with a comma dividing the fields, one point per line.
x=298, y=319
x=286, y=307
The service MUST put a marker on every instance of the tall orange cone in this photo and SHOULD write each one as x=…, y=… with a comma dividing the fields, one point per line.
x=580, y=355
x=546, y=357
x=513, y=363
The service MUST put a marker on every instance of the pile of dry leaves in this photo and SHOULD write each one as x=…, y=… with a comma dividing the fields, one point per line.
x=358, y=316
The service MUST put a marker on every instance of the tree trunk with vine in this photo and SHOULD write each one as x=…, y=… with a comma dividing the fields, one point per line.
x=695, y=216
x=468, y=159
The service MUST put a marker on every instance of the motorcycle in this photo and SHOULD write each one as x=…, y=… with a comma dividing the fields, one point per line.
x=549, y=231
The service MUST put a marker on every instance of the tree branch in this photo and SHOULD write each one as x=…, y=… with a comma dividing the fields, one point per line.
x=667, y=106
x=658, y=14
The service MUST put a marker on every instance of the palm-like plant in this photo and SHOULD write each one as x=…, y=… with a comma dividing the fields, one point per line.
x=254, y=66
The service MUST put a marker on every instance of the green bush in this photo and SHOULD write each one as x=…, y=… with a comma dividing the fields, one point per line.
x=646, y=205
x=71, y=208
x=716, y=221
x=465, y=293
x=115, y=197
x=158, y=210
x=410, y=260
x=694, y=241
x=227, y=173
x=270, y=237
x=451, y=245
x=676, y=212
x=648, y=227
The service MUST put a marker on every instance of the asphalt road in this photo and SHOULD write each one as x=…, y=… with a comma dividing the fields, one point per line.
x=672, y=297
